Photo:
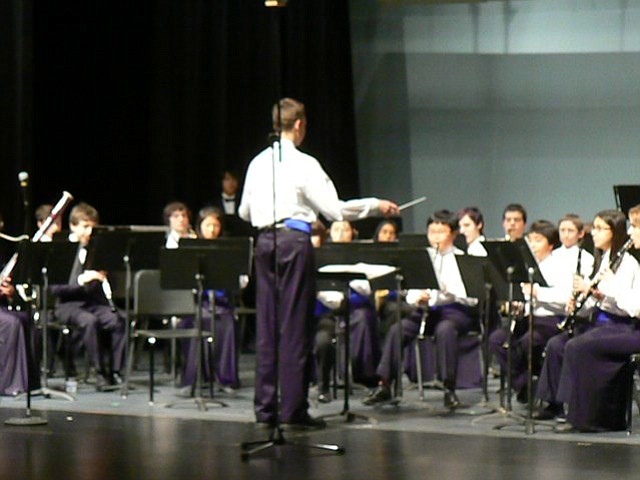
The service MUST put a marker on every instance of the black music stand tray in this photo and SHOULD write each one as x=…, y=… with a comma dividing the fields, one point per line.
x=345, y=256
x=49, y=263
x=215, y=265
x=514, y=263
x=125, y=249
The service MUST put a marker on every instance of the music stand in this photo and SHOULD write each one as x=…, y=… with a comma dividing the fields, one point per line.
x=417, y=273
x=125, y=249
x=28, y=419
x=473, y=272
x=215, y=265
x=627, y=196
x=49, y=262
x=516, y=264
x=344, y=258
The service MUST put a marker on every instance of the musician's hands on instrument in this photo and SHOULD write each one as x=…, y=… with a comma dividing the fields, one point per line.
x=571, y=305
x=425, y=296
x=389, y=208
x=91, y=275
x=598, y=294
x=6, y=288
x=580, y=285
x=529, y=290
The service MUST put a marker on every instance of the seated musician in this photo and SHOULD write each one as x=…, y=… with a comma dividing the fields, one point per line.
x=83, y=304
x=471, y=224
x=42, y=213
x=18, y=369
x=594, y=381
x=177, y=217
x=226, y=354
x=514, y=221
x=548, y=310
x=609, y=235
x=364, y=345
x=571, y=230
x=449, y=308
x=386, y=231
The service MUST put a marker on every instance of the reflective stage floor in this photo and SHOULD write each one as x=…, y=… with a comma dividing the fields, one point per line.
x=102, y=435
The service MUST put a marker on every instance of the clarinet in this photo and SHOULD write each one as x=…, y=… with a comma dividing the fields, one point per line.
x=580, y=298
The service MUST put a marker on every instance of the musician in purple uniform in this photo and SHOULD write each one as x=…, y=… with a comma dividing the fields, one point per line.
x=594, y=380
x=285, y=315
x=449, y=313
x=83, y=303
x=209, y=226
x=364, y=342
x=609, y=235
x=548, y=309
x=16, y=365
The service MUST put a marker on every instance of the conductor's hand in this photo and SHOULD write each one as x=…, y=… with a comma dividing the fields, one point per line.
x=388, y=208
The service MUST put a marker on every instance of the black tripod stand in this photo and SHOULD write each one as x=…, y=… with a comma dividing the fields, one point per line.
x=28, y=419
x=205, y=265
x=516, y=264
x=48, y=261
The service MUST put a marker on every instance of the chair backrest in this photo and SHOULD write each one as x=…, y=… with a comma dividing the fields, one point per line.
x=150, y=299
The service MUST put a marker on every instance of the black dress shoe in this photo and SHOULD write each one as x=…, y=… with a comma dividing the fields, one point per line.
x=451, y=400
x=565, y=428
x=523, y=395
x=101, y=382
x=307, y=423
x=116, y=378
x=550, y=412
x=266, y=425
x=324, y=396
x=382, y=393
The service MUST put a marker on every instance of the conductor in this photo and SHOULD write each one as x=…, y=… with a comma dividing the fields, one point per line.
x=300, y=190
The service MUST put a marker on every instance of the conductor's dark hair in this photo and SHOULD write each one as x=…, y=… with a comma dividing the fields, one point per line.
x=445, y=217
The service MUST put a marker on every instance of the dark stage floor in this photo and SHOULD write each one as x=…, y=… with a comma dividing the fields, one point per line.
x=92, y=446
x=102, y=435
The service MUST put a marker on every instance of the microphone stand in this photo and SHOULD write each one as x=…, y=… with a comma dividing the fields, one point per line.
x=276, y=436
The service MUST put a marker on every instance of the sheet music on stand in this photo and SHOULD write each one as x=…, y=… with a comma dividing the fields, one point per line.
x=371, y=261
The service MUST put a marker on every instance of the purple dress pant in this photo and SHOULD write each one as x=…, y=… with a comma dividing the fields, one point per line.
x=285, y=324
x=16, y=364
x=544, y=328
x=595, y=377
x=447, y=323
x=225, y=348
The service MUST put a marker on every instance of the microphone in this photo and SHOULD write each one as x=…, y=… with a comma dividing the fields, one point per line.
x=23, y=178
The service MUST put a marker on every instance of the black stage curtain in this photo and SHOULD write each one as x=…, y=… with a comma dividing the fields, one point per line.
x=136, y=104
